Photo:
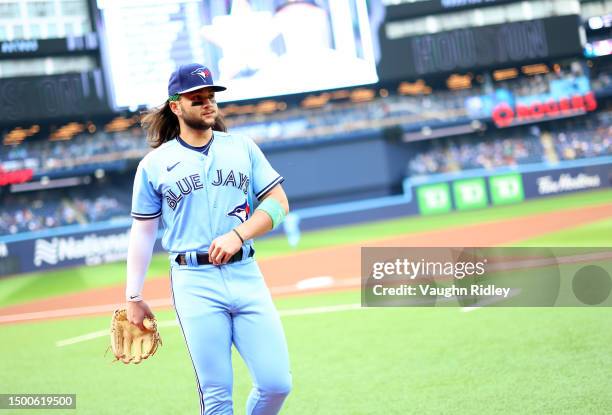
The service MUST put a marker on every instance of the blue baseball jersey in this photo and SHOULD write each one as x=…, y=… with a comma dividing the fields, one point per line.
x=201, y=192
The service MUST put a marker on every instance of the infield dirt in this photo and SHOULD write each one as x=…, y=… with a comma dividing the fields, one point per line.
x=340, y=265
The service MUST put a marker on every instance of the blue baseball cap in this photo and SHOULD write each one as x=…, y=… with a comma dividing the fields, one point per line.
x=190, y=77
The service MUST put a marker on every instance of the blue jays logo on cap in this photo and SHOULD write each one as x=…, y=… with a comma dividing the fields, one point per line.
x=191, y=77
x=203, y=72
x=241, y=211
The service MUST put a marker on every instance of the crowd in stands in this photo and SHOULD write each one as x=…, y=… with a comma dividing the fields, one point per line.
x=49, y=209
x=582, y=138
x=540, y=84
x=568, y=139
x=331, y=121
x=101, y=147
x=589, y=136
x=601, y=82
x=468, y=152
x=334, y=119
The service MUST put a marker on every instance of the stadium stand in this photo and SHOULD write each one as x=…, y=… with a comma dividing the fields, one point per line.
x=464, y=152
x=569, y=139
x=589, y=136
x=29, y=212
x=293, y=126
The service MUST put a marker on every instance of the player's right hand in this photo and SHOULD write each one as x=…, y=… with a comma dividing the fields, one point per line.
x=137, y=311
x=223, y=247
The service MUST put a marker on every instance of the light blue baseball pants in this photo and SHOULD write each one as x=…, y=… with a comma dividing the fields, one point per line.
x=220, y=305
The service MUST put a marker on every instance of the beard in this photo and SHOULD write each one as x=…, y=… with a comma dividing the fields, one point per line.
x=197, y=123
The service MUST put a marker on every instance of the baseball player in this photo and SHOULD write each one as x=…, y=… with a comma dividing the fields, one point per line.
x=203, y=182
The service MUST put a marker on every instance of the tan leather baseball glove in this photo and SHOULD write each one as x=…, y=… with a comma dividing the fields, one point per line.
x=130, y=344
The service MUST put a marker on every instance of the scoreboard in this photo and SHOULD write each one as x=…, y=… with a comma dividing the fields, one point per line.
x=409, y=8
x=256, y=48
x=477, y=47
x=40, y=98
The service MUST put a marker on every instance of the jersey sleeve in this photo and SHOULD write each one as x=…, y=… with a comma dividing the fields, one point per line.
x=146, y=201
x=263, y=174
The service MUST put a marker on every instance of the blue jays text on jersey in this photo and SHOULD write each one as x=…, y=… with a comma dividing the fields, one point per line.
x=201, y=192
x=193, y=182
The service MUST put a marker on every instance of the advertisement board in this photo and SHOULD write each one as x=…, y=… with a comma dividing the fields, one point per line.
x=470, y=194
x=567, y=180
x=434, y=198
x=65, y=250
x=569, y=96
x=506, y=189
x=467, y=49
x=54, y=96
x=502, y=189
x=32, y=48
x=406, y=9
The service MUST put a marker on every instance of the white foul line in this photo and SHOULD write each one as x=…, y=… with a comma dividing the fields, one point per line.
x=490, y=300
x=171, y=323
x=75, y=311
x=159, y=302
x=84, y=337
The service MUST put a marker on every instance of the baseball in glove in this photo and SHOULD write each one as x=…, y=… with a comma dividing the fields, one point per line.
x=130, y=344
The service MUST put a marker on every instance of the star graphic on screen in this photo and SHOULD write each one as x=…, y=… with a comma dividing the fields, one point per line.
x=244, y=36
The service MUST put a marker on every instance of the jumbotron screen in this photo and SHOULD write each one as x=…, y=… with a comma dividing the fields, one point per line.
x=256, y=48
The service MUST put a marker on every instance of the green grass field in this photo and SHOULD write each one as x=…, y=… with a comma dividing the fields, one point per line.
x=365, y=361
x=358, y=361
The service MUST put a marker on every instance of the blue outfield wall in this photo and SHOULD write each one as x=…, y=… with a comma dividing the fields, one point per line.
x=497, y=187
x=337, y=171
x=374, y=172
x=65, y=247
x=529, y=181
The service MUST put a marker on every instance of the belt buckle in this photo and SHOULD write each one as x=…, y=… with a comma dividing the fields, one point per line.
x=180, y=259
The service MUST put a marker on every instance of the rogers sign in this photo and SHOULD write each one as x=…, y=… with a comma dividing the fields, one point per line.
x=15, y=177
x=504, y=115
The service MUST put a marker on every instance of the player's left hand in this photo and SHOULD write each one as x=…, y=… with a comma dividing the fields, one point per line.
x=223, y=248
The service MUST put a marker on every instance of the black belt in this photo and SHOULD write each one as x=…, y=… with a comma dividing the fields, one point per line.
x=203, y=258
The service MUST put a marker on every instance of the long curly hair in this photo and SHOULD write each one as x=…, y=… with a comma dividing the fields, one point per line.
x=162, y=125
